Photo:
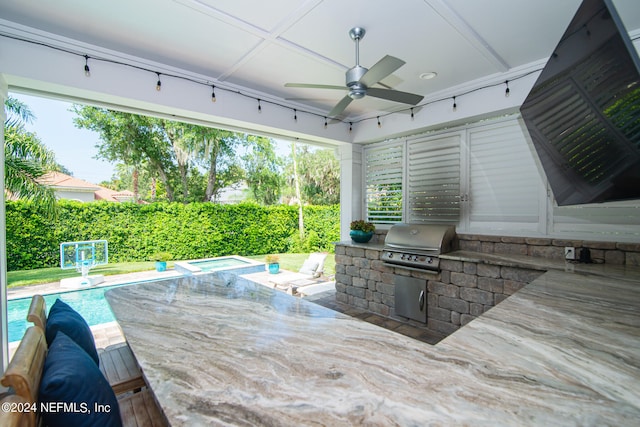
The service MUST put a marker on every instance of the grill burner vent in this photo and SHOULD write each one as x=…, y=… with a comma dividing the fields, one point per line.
x=417, y=246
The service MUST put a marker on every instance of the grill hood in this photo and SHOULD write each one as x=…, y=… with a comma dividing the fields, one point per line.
x=434, y=238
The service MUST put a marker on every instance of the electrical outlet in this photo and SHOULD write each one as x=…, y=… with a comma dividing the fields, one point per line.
x=569, y=253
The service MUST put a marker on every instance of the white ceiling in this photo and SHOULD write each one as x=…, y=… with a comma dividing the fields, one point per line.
x=261, y=45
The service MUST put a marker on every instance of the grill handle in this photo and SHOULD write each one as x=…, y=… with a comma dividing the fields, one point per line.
x=405, y=247
x=421, y=300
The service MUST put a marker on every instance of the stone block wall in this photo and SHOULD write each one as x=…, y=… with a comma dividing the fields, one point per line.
x=465, y=290
x=459, y=293
x=462, y=290
x=618, y=253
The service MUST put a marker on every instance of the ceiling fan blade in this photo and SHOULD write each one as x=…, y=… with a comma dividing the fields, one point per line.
x=381, y=69
x=312, y=86
x=340, y=106
x=395, y=95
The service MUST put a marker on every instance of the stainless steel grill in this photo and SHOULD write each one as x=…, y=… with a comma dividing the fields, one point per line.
x=417, y=246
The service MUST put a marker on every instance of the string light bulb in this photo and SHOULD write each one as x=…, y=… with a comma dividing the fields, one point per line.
x=412, y=116
x=379, y=124
x=325, y=122
x=259, y=107
x=455, y=106
x=213, y=93
x=507, y=91
x=159, y=83
x=295, y=115
x=87, y=71
x=350, y=127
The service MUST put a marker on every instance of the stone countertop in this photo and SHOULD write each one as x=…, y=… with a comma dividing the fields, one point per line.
x=370, y=245
x=564, y=350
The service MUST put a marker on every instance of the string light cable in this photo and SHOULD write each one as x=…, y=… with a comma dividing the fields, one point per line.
x=295, y=111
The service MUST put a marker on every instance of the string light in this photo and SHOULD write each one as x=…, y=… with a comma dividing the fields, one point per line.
x=240, y=93
x=87, y=71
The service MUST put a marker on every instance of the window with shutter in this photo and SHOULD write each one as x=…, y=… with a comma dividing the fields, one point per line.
x=433, y=179
x=383, y=179
x=505, y=186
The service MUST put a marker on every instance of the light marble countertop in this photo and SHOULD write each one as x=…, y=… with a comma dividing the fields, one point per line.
x=563, y=351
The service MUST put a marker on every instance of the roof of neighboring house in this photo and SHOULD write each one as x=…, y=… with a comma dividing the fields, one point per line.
x=114, y=196
x=62, y=181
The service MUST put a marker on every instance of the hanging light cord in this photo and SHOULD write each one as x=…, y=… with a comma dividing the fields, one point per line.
x=260, y=100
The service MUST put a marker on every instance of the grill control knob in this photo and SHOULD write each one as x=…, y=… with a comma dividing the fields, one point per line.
x=390, y=255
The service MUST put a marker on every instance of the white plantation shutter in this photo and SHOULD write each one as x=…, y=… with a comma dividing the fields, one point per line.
x=505, y=186
x=433, y=187
x=383, y=180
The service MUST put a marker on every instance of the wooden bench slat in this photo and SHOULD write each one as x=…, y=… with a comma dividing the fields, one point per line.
x=119, y=366
x=37, y=313
x=141, y=410
x=25, y=369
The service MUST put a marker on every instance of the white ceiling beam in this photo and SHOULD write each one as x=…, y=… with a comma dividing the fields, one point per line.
x=461, y=26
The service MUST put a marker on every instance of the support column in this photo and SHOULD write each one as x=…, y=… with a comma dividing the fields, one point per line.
x=351, y=194
x=4, y=329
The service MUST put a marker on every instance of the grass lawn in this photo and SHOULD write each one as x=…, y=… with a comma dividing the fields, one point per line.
x=291, y=262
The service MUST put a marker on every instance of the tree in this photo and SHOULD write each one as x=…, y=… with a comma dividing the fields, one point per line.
x=216, y=153
x=26, y=158
x=318, y=171
x=320, y=176
x=263, y=171
x=191, y=162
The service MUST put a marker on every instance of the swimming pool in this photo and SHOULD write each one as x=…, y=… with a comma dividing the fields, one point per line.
x=90, y=303
x=95, y=309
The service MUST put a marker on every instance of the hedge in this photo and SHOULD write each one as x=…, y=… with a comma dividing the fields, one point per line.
x=136, y=232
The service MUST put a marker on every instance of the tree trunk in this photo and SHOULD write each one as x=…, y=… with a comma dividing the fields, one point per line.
x=213, y=170
x=297, y=186
x=136, y=190
x=153, y=189
x=164, y=179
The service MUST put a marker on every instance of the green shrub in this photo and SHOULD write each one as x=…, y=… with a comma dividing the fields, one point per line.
x=136, y=232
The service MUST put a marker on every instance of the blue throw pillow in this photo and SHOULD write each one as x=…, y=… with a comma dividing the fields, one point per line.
x=66, y=319
x=73, y=391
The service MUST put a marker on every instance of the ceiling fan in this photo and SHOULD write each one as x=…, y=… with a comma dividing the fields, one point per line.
x=360, y=79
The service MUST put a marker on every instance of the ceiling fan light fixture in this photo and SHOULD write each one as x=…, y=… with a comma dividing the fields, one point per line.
x=357, y=91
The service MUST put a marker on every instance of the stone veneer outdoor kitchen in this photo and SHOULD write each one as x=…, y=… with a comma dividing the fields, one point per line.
x=473, y=278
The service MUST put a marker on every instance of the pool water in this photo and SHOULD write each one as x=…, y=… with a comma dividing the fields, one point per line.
x=218, y=263
x=90, y=303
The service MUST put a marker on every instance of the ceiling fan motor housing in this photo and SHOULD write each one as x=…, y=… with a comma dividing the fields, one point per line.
x=355, y=74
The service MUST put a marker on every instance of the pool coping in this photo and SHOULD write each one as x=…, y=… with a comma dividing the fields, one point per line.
x=116, y=279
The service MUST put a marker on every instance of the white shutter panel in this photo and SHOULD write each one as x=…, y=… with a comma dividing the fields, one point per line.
x=383, y=180
x=505, y=185
x=434, y=179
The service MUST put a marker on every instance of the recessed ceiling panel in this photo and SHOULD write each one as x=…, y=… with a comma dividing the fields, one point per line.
x=158, y=30
x=263, y=14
